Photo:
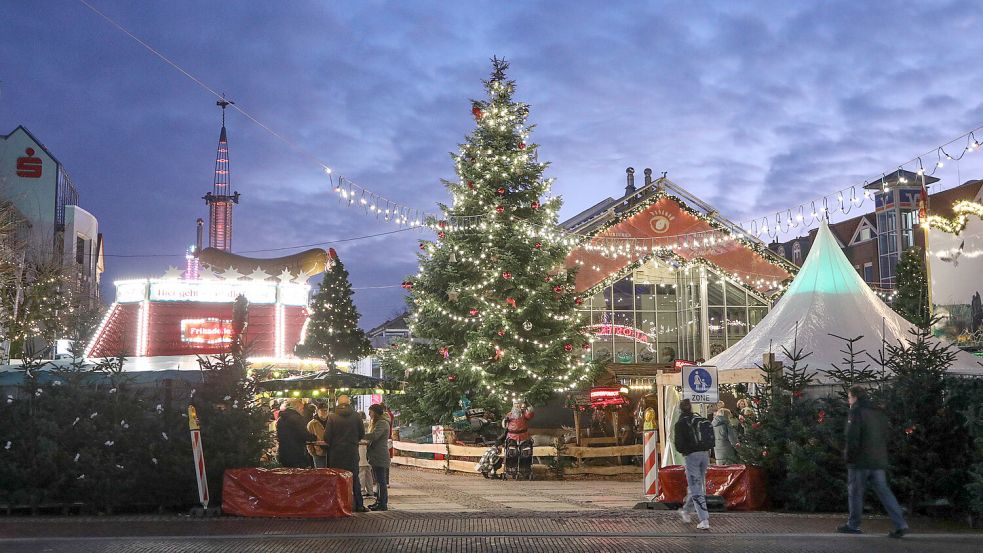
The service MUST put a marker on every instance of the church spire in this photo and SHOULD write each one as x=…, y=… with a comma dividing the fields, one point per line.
x=221, y=199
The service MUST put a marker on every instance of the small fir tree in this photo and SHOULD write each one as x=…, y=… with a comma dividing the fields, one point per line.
x=493, y=310
x=332, y=330
x=911, y=300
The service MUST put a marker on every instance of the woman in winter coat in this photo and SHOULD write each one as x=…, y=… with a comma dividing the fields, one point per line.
x=725, y=438
x=378, y=455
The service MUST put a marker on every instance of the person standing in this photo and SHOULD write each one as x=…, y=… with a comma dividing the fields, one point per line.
x=378, y=455
x=316, y=426
x=342, y=433
x=724, y=438
x=292, y=436
x=866, y=461
x=695, y=449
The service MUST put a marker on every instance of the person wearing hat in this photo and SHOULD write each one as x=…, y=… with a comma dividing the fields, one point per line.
x=316, y=426
x=342, y=433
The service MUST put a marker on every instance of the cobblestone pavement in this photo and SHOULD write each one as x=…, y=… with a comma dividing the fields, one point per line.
x=433, y=512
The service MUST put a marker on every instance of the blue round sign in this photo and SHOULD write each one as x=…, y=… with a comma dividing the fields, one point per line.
x=700, y=380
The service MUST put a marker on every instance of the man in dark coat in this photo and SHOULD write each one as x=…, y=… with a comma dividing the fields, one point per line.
x=292, y=436
x=866, y=460
x=342, y=433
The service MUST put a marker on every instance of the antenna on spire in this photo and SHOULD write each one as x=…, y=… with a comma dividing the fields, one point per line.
x=224, y=103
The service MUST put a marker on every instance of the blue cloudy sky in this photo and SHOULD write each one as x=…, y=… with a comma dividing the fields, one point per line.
x=754, y=106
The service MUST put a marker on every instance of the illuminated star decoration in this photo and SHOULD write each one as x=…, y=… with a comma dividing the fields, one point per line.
x=173, y=272
x=453, y=295
x=286, y=276
x=230, y=274
x=258, y=275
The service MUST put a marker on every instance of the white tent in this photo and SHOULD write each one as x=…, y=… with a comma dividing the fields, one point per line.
x=827, y=297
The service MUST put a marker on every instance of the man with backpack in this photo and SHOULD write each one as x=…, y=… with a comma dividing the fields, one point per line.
x=693, y=437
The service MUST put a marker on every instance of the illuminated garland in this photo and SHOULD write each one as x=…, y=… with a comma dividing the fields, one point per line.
x=963, y=210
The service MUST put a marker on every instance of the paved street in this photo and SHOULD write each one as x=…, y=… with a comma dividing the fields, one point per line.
x=433, y=512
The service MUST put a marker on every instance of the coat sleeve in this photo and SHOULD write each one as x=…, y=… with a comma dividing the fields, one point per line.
x=854, y=430
x=328, y=430
x=361, y=430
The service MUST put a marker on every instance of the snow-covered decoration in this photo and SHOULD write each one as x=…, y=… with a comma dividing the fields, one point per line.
x=173, y=272
x=286, y=276
x=258, y=275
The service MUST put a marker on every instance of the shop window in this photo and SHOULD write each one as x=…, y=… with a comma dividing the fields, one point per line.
x=736, y=295
x=737, y=324
x=868, y=272
x=715, y=290
x=623, y=294
x=797, y=253
x=645, y=297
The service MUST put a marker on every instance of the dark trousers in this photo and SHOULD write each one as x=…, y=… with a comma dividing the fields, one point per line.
x=381, y=475
x=857, y=480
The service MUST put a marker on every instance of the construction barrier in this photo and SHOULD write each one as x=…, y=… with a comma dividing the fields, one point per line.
x=303, y=493
x=742, y=487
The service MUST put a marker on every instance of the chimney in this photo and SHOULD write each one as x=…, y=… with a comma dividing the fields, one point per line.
x=201, y=224
x=648, y=176
x=630, y=189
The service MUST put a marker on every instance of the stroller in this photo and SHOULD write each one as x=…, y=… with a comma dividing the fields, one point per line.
x=518, y=460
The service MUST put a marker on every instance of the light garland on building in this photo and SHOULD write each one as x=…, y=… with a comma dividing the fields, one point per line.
x=963, y=210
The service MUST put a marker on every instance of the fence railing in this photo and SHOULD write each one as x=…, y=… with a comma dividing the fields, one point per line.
x=462, y=458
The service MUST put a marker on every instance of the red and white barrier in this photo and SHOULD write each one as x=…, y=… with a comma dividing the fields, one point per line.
x=650, y=457
x=199, y=456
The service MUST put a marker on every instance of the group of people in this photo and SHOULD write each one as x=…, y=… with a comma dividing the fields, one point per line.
x=865, y=454
x=332, y=439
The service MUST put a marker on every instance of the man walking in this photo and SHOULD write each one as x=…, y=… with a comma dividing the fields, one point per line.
x=690, y=441
x=866, y=461
x=342, y=433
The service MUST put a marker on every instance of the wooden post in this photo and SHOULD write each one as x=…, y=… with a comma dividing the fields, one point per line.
x=661, y=401
x=576, y=424
x=614, y=426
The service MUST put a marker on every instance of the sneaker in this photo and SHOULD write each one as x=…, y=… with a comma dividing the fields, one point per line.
x=898, y=533
x=377, y=507
x=703, y=525
x=685, y=516
x=847, y=529
x=361, y=510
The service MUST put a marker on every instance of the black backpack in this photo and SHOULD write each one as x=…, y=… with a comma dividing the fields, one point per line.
x=700, y=435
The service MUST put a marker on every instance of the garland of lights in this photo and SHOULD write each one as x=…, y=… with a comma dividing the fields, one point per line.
x=963, y=211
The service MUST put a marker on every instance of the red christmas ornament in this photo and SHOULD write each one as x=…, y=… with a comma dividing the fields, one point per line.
x=394, y=346
x=473, y=312
x=522, y=145
x=764, y=453
x=500, y=209
x=501, y=191
x=444, y=352
x=585, y=346
x=442, y=224
x=423, y=246
x=567, y=347
x=452, y=378
x=538, y=245
x=470, y=185
x=822, y=416
x=407, y=284
x=506, y=275
x=756, y=425
x=755, y=401
x=476, y=111
x=578, y=301
x=441, y=235
x=510, y=301
x=498, y=353
x=501, y=332
x=910, y=430
x=797, y=394
x=535, y=204
x=548, y=279
x=558, y=289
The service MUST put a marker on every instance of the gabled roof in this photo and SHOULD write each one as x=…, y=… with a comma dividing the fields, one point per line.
x=941, y=203
x=396, y=323
x=657, y=216
x=36, y=141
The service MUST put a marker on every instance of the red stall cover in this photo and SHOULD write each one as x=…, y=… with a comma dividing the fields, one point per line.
x=741, y=486
x=304, y=493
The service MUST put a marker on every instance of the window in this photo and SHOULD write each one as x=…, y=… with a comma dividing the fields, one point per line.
x=909, y=219
x=868, y=272
x=79, y=250
x=781, y=251
x=797, y=253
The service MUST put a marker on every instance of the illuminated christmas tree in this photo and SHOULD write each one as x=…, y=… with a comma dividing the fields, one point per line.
x=911, y=301
x=332, y=330
x=493, y=308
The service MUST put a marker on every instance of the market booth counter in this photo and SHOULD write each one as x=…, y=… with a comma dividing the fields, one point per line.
x=295, y=493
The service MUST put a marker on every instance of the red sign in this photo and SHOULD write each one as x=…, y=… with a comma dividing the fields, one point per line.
x=599, y=397
x=29, y=166
x=206, y=331
x=680, y=363
x=619, y=330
